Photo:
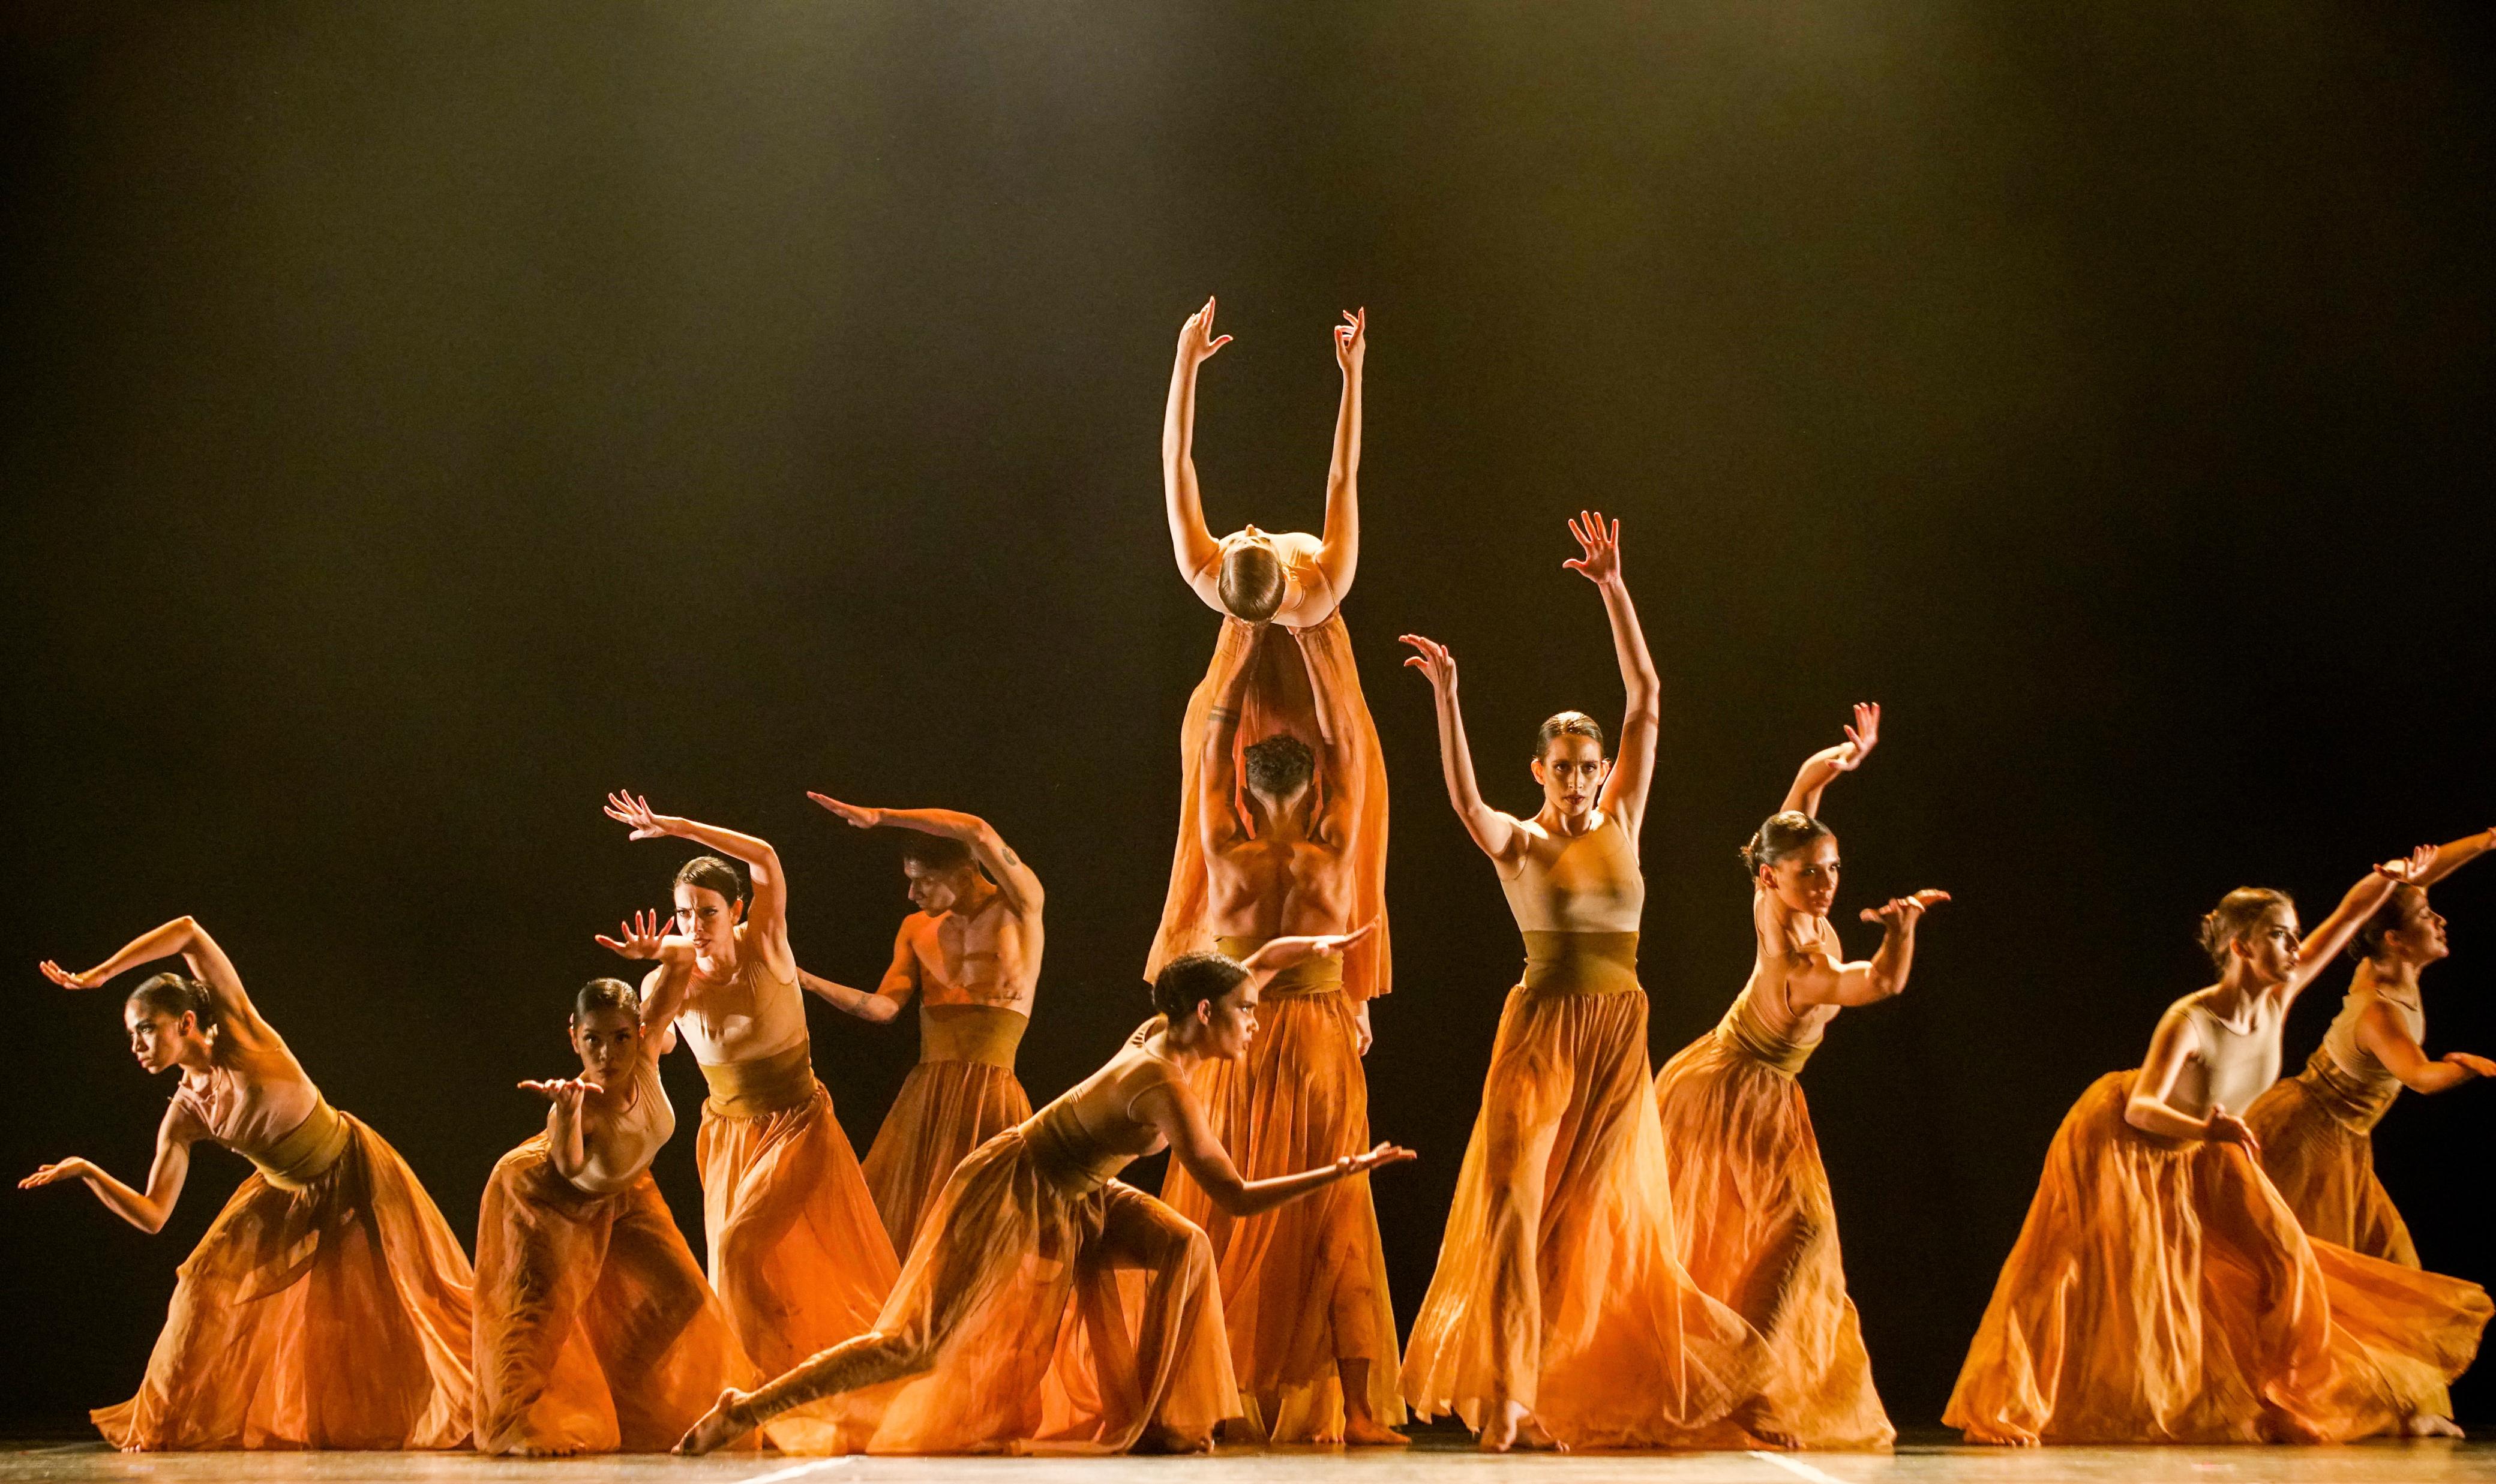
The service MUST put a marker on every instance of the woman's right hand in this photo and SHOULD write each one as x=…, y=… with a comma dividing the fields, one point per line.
x=1434, y=662
x=1197, y=341
x=2478, y=1066
x=644, y=937
x=1383, y=1153
x=70, y=1169
x=565, y=1093
x=633, y=809
x=68, y=980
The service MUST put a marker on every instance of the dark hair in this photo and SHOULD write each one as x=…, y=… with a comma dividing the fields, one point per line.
x=1789, y=832
x=176, y=995
x=1279, y=766
x=935, y=853
x=2225, y=924
x=1192, y=980
x=1574, y=724
x=2384, y=921
x=605, y=995
x=716, y=872
x=1252, y=581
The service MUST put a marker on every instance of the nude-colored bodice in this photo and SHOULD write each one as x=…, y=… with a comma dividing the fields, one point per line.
x=749, y=1015
x=1091, y=1133
x=2232, y=1065
x=2358, y=1087
x=250, y=1098
x=619, y=1146
x=1588, y=883
x=1767, y=999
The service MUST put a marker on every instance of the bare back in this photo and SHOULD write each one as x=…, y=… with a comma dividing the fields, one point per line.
x=1582, y=883
x=746, y=1015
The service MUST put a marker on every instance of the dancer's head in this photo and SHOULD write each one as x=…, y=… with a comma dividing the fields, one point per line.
x=2404, y=931
x=710, y=902
x=1252, y=583
x=168, y=1018
x=1793, y=858
x=1210, y=1002
x=2253, y=933
x=606, y=1029
x=1278, y=772
x=940, y=871
x=1568, y=763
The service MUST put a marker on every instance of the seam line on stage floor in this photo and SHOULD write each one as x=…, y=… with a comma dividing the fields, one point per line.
x=799, y=1470
x=1797, y=1468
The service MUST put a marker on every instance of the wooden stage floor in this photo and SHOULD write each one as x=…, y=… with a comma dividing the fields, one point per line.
x=1441, y=1457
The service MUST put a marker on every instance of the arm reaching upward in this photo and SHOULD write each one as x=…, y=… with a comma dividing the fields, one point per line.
x=1821, y=768
x=644, y=937
x=1634, y=761
x=768, y=918
x=206, y=962
x=1190, y=543
x=1217, y=780
x=2332, y=933
x=1019, y=882
x=1495, y=832
x=1339, y=551
x=2454, y=854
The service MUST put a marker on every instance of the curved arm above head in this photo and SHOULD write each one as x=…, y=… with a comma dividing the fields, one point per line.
x=199, y=954
x=1191, y=544
x=1822, y=768
x=1217, y=777
x=2175, y=1042
x=768, y=915
x=2332, y=933
x=1339, y=549
x=1625, y=791
x=1019, y=882
x=2454, y=854
x=1501, y=836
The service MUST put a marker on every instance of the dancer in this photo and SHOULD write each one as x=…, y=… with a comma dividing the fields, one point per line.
x=328, y=1306
x=2161, y=1291
x=970, y=954
x=595, y=1330
x=1303, y=1288
x=797, y=1250
x=976, y=1351
x=2317, y=1128
x=1559, y=1313
x=1757, y=1227
x=1309, y=687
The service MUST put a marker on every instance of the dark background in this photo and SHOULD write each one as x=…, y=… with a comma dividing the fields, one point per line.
x=421, y=418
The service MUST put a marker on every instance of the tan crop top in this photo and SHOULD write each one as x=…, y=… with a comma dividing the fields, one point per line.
x=1587, y=885
x=618, y=1147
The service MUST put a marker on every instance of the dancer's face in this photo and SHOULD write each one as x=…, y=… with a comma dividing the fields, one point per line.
x=706, y=918
x=1231, y=1022
x=608, y=1041
x=2419, y=938
x=2269, y=950
x=935, y=889
x=1571, y=773
x=1806, y=881
x=158, y=1040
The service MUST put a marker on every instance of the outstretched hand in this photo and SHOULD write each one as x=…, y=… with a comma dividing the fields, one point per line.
x=1899, y=913
x=1862, y=737
x=643, y=935
x=1284, y=952
x=66, y=979
x=1383, y=1153
x=566, y=1093
x=1350, y=341
x=2410, y=870
x=1435, y=663
x=1601, y=546
x=70, y=1169
x=863, y=818
x=631, y=810
x=2472, y=1062
x=1197, y=341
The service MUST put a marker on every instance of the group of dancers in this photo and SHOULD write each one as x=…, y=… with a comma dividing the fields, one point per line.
x=1632, y=1259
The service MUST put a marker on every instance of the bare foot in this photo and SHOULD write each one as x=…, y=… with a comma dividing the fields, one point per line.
x=1162, y=1440
x=718, y=1427
x=1364, y=1431
x=1998, y=1439
x=2428, y=1425
x=1530, y=1433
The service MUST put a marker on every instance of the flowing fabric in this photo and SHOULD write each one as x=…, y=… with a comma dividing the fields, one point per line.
x=1281, y=699
x=1304, y=1286
x=328, y=1307
x=2162, y=1292
x=1758, y=1227
x=1557, y=1285
x=2318, y=1147
x=797, y=1252
x=1044, y=1307
x=595, y=1330
x=961, y=1094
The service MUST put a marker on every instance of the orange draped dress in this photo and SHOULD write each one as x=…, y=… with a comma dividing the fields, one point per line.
x=1758, y=1226
x=595, y=1330
x=2317, y=1132
x=1046, y=1306
x=962, y=1094
x=328, y=1307
x=2162, y=1292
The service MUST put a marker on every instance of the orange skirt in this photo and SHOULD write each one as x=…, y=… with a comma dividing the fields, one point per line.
x=1279, y=700
x=2162, y=1292
x=331, y=1315
x=1304, y=1286
x=1033, y=1316
x=946, y=1109
x=797, y=1252
x=1557, y=1285
x=1758, y=1229
x=595, y=1330
x=2326, y=1171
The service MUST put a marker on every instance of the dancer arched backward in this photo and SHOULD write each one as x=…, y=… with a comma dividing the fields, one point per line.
x=2161, y=1291
x=2317, y=1128
x=797, y=1250
x=1303, y=1288
x=1559, y=1311
x=595, y=1329
x=328, y=1306
x=1758, y=1226
x=1309, y=687
x=1008, y=1327
x=971, y=955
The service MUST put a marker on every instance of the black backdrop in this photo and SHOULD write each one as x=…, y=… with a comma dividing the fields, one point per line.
x=421, y=418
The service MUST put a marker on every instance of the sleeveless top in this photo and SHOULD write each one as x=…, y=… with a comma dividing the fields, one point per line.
x=1076, y=1158
x=2236, y=1065
x=2354, y=1087
x=777, y=1083
x=1599, y=868
x=1309, y=976
x=617, y=1150
x=1744, y=1031
x=261, y=1114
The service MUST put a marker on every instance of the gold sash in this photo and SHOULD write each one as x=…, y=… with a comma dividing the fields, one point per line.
x=1063, y=1156
x=2353, y=1103
x=1745, y=1031
x=773, y=1084
x=1321, y=976
x=987, y=1034
x=306, y=1154
x=1560, y=964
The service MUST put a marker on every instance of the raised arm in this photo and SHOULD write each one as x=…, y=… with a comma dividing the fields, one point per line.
x=1821, y=768
x=768, y=916
x=644, y=937
x=2454, y=854
x=2387, y=1039
x=1339, y=548
x=148, y=1211
x=1217, y=779
x=900, y=982
x=1634, y=761
x=2332, y=933
x=2176, y=1042
x=1823, y=982
x=1497, y=833
x=1171, y=1108
x=1019, y=884
x=199, y=954
x=1190, y=543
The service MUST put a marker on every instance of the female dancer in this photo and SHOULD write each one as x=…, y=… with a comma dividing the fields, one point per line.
x=2317, y=1128
x=976, y=1351
x=1758, y=1224
x=595, y=1330
x=328, y=1307
x=1559, y=1312
x=2161, y=1290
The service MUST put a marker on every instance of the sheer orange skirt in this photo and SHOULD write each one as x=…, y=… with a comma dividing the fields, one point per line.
x=2162, y=1292
x=330, y=1314
x=2325, y=1169
x=595, y=1330
x=961, y=1094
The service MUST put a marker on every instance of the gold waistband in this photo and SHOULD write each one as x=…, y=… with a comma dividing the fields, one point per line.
x=970, y=1033
x=1580, y=963
x=1743, y=1030
x=2354, y=1102
x=306, y=1153
x=771, y=1084
x=1063, y=1156
x=1311, y=977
